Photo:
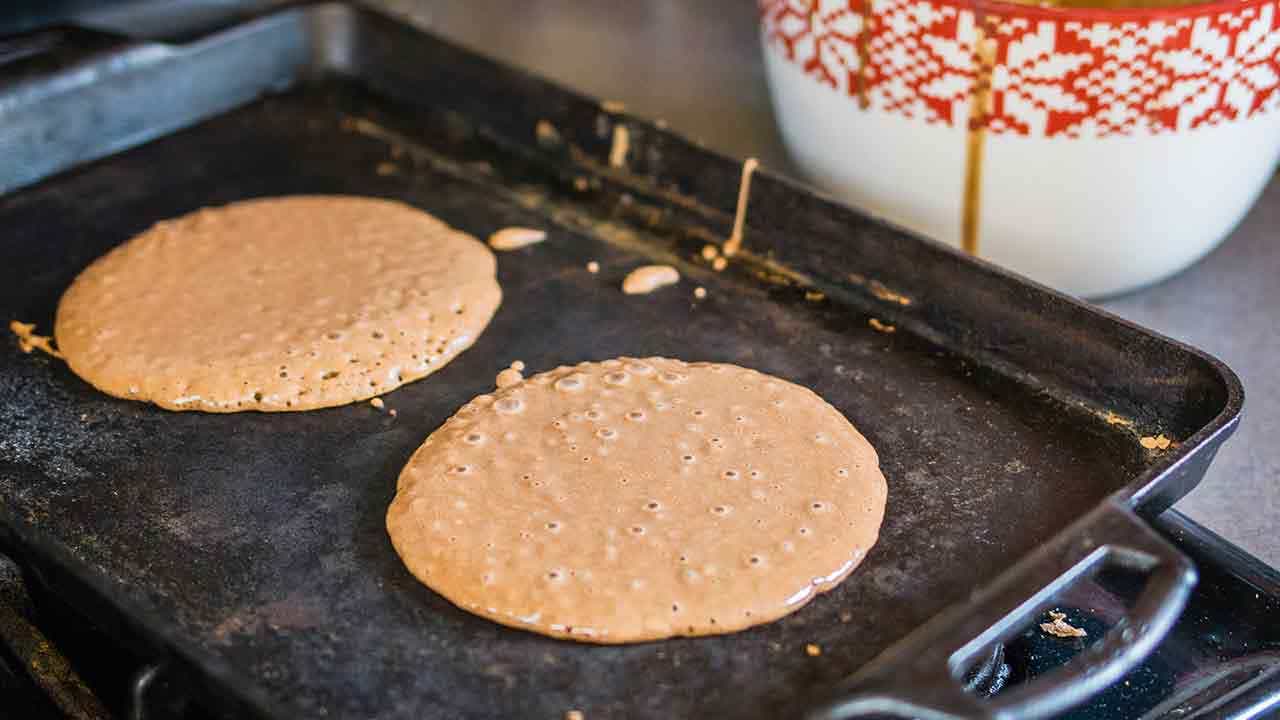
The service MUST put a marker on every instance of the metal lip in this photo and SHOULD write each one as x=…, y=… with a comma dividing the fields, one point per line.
x=138, y=616
x=1206, y=546
x=1137, y=491
x=1206, y=439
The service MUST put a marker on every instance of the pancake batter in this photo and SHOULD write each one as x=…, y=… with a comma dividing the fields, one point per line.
x=633, y=500
x=514, y=238
x=646, y=279
x=289, y=303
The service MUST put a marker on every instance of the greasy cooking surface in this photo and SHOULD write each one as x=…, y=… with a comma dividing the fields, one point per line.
x=258, y=540
x=638, y=499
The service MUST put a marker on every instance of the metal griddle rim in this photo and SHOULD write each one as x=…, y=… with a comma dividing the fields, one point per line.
x=1135, y=493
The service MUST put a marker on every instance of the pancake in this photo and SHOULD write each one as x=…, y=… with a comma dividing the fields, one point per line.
x=633, y=500
x=275, y=304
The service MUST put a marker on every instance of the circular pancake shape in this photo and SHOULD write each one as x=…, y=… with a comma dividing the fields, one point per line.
x=290, y=303
x=634, y=500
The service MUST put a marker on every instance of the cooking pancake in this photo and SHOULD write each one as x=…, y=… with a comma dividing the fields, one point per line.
x=633, y=500
x=289, y=303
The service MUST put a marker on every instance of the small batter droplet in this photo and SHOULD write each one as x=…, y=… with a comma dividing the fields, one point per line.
x=28, y=340
x=514, y=238
x=510, y=376
x=646, y=279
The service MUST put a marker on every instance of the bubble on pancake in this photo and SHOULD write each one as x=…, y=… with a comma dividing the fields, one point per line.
x=278, y=304
x=610, y=515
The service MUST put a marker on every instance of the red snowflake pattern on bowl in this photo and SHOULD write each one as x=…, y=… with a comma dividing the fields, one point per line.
x=1091, y=73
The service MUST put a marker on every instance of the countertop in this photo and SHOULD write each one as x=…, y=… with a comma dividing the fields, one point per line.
x=698, y=66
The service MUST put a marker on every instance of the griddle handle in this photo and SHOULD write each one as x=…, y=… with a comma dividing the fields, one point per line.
x=921, y=676
x=157, y=691
x=138, y=690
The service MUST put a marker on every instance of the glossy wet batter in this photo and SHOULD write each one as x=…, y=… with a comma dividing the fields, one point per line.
x=644, y=280
x=289, y=303
x=633, y=500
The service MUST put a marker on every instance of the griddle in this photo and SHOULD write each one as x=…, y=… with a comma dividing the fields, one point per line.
x=246, y=553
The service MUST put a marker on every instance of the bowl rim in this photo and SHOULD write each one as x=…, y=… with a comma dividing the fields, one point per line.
x=1130, y=14
x=1007, y=9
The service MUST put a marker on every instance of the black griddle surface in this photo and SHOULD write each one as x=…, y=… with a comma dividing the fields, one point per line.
x=257, y=541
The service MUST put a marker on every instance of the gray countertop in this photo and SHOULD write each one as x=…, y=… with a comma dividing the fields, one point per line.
x=698, y=66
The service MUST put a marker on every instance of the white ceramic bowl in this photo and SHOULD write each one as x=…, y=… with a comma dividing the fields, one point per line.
x=1093, y=150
